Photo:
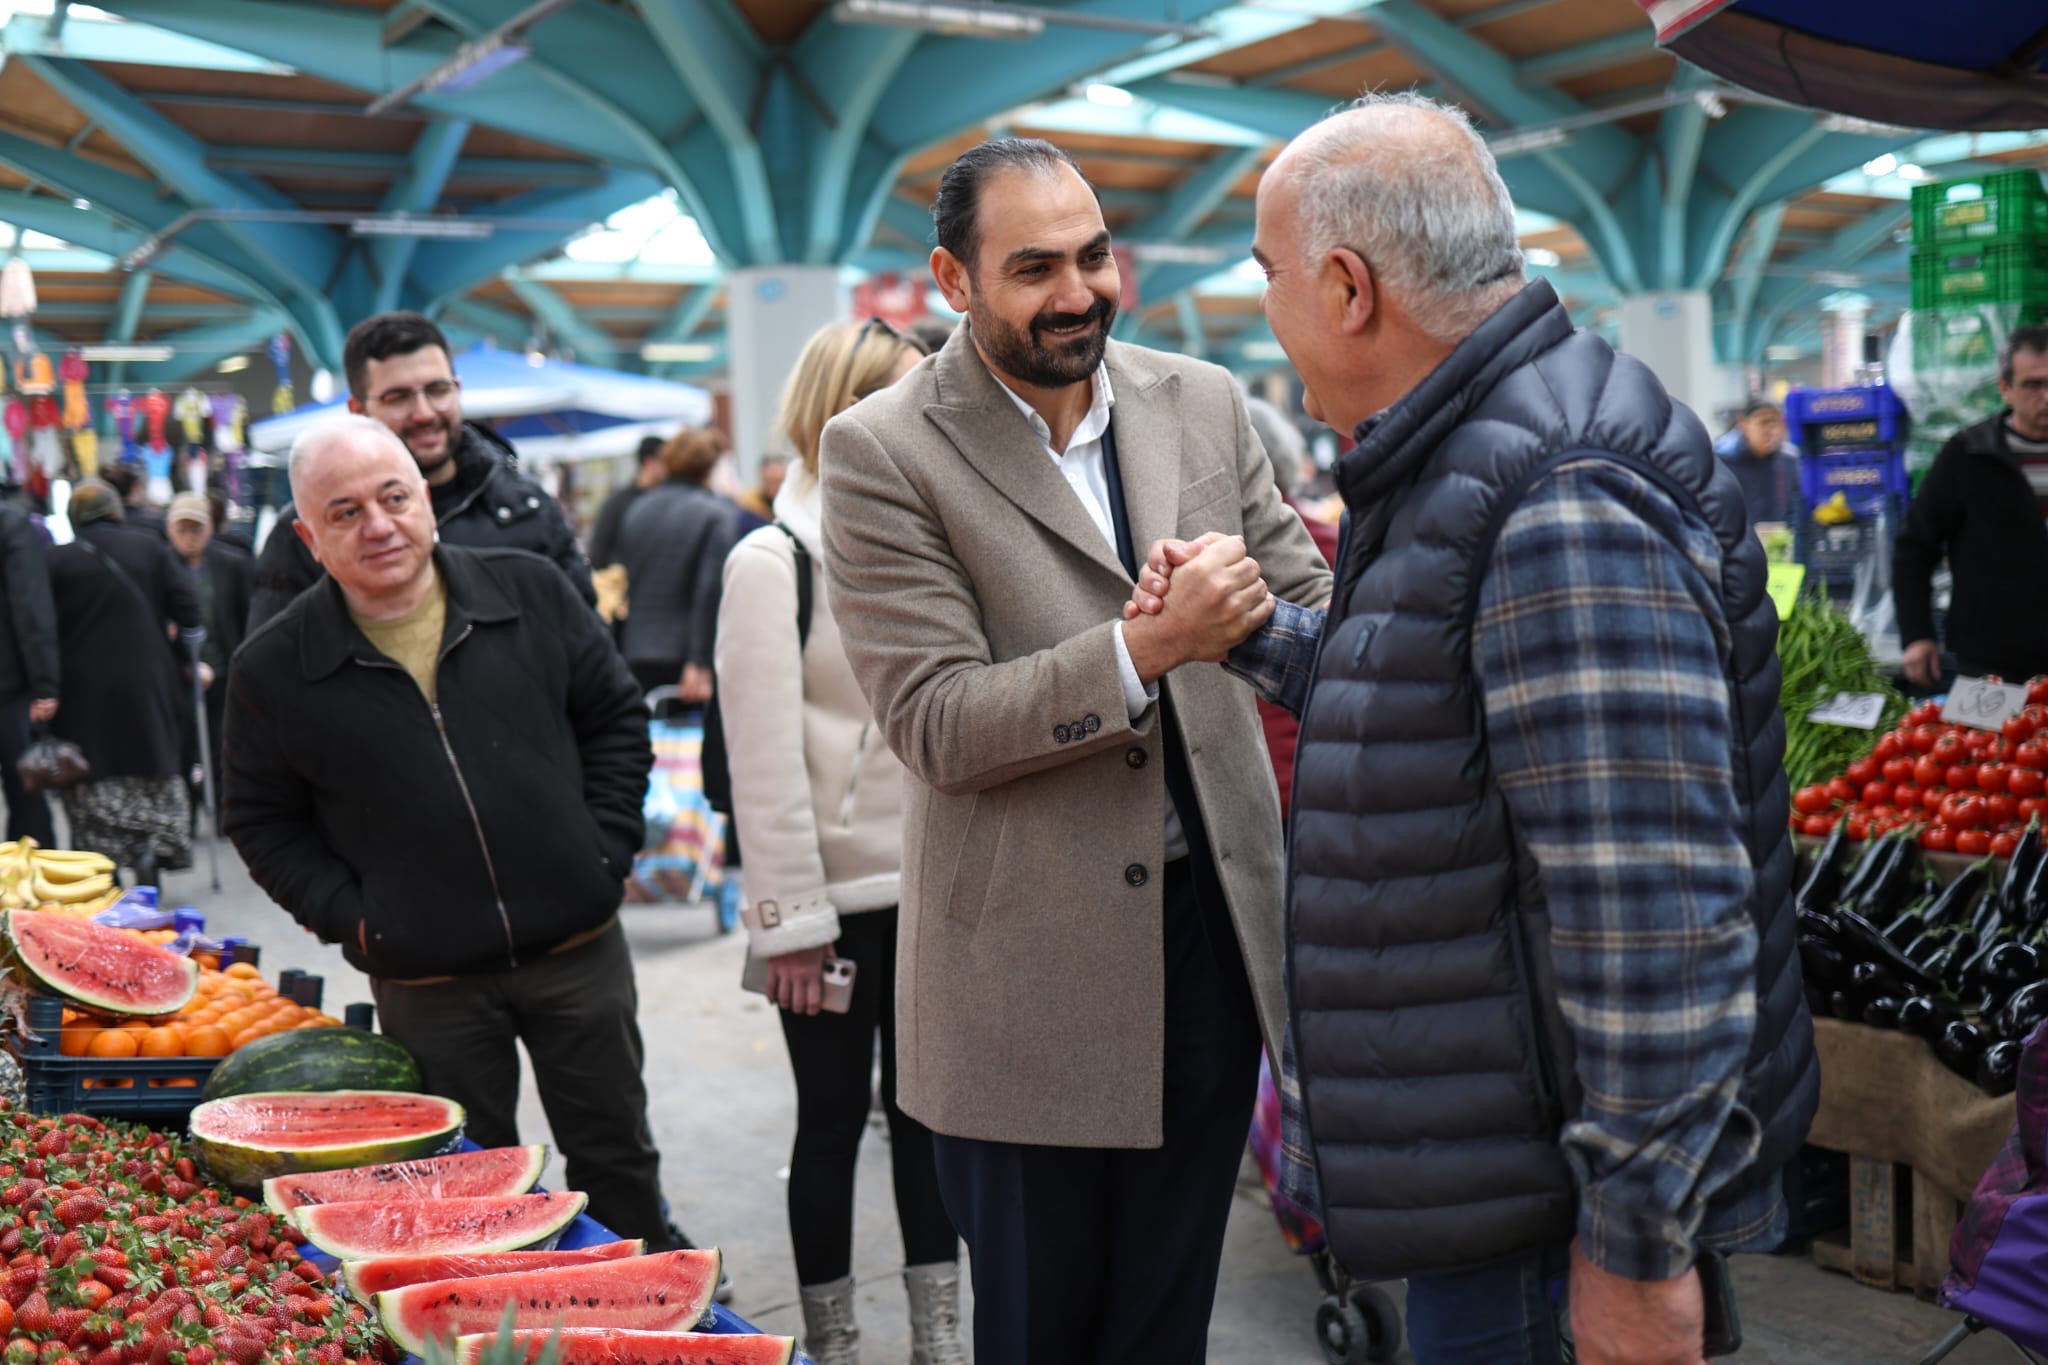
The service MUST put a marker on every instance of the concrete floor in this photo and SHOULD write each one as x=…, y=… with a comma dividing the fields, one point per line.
x=723, y=1108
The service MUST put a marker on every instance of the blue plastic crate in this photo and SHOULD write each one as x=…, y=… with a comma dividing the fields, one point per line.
x=1872, y=480
x=106, y=1087
x=1827, y=420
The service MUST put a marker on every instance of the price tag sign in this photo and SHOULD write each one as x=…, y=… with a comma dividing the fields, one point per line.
x=1783, y=584
x=1850, y=710
x=1982, y=705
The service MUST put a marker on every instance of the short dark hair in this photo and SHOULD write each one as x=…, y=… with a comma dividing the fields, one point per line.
x=650, y=448
x=384, y=336
x=2033, y=337
x=120, y=477
x=1757, y=409
x=959, y=197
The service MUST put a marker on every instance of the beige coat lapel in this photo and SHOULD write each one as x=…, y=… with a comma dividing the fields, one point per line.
x=1147, y=424
x=996, y=441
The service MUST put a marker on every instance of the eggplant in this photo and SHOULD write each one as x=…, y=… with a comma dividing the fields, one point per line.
x=1998, y=1070
x=1960, y=1046
x=1824, y=880
x=1869, y=980
x=1843, y=1006
x=2018, y=869
x=2025, y=1008
x=1866, y=869
x=1823, y=964
x=2033, y=907
x=1893, y=887
x=2010, y=966
x=1925, y=1017
x=1820, y=925
x=1907, y=930
x=1954, y=902
x=1945, y=963
x=1882, y=1012
x=1968, y=976
x=1861, y=940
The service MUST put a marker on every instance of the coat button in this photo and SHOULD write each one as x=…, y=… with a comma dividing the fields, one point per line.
x=504, y=514
x=1135, y=874
x=1060, y=734
x=1091, y=723
x=1134, y=757
x=532, y=501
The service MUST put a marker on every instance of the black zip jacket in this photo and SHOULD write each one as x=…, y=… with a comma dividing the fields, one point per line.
x=488, y=503
x=28, y=628
x=1976, y=509
x=466, y=835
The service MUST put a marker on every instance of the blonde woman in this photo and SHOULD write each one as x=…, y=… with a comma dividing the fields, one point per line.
x=817, y=797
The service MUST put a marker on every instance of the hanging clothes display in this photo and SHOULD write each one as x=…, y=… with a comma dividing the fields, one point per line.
x=191, y=411
x=46, y=447
x=17, y=287
x=281, y=400
x=85, y=449
x=74, y=371
x=230, y=414
x=15, y=421
x=33, y=374
x=156, y=474
x=156, y=411
x=122, y=405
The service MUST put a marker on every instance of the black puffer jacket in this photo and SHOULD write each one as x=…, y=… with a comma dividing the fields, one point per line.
x=466, y=835
x=1435, y=1063
x=488, y=504
x=673, y=542
x=1977, y=510
x=28, y=628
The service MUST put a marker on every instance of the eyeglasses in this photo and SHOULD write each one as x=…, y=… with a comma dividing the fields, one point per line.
x=438, y=395
x=867, y=329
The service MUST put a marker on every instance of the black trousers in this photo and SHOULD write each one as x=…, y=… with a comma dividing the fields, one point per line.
x=28, y=813
x=577, y=1014
x=833, y=1057
x=1086, y=1254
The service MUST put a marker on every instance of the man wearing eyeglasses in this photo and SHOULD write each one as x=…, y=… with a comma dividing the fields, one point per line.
x=399, y=373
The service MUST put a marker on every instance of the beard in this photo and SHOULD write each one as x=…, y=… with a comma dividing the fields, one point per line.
x=1035, y=357
x=431, y=464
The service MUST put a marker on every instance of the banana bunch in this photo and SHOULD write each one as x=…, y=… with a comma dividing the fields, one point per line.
x=32, y=876
x=1835, y=511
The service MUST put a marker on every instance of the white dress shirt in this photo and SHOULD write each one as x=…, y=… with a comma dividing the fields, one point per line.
x=1082, y=467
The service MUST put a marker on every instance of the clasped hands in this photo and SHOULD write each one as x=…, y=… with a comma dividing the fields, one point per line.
x=1217, y=599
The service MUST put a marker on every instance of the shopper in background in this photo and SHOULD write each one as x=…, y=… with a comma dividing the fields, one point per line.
x=1087, y=843
x=1541, y=942
x=821, y=800
x=399, y=373
x=458, y=816
x=673, y=543
x=1765, y=464
x=648, y=471
x=1980, y=508
x=29, y=670
x=223, y=578
x=122, y=599
x=136, y=511
x=757, y=504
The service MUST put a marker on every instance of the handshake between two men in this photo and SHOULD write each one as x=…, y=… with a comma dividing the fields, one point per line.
x=1219, y=599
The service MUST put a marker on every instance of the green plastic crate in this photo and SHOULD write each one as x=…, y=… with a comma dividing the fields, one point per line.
x=1965, y=340
x=2004, y=206
x=1997, y=272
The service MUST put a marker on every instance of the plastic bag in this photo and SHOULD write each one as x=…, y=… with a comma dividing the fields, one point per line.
x=1871, y=609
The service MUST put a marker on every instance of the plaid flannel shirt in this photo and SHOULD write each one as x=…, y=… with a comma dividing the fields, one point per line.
x=1598, y=652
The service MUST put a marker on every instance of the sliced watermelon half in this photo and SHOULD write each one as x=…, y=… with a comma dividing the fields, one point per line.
x=100, y=969
x=667, y=1292
x=244, y=1140
x=367, y=1279
x=387, y=1227
x=492, y=1173
x=611, y=1346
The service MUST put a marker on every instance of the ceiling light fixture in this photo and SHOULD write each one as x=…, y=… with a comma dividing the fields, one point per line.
x=953, y=20
x=234, y=364
x=1183, y=253
x=684, y=352
x=123, y=350
x=1534, y=140
x=419, y=225
x=475, y=61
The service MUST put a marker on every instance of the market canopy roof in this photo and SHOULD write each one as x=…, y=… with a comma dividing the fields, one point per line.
x=542, y=405
x=1975, y=65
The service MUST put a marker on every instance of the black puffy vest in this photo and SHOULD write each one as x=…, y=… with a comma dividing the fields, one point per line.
x=1435, y=1066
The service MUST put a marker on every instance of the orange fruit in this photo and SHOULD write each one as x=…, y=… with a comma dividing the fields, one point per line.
x=235, y=1020
x=136, y=1025
x=208, y=1040
x=76, y=1038
x=248, y=971
x=248, y=1036
x=113, y=1042
x=163, y=1042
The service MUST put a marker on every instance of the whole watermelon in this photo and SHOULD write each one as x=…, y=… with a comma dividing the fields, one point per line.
x=314, y=1059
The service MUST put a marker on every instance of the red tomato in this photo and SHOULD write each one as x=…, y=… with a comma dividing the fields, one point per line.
x=1925, y=737
x=1964, y=810
x=1890, y=814
x=1977, y=741
x=1841, y=789
x=1930, y=798
x=1935, y=838
x=1863, y=771
x=2037, y=690
x=2017, y=730
x=1991, y=776
x=1811, y=800
x=2025, y=781
x=2031, y=806
x=2031, y=755
x=1888, y=747
x=1859, y=827
x=1951, y=747
x=2036, y=716
x=1876, y=794
x=1905, y=796
x=1896, y=770
x=1973, y=843
x=1927, y=713
x=1961, y=775
x=1819, y=825
x=1928, y=771
x=2003, y=808
x=2005, y=845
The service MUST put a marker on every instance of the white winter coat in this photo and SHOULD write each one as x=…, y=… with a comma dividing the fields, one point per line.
x=817, y=794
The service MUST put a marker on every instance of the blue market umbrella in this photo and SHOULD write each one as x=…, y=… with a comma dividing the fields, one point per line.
x=1966, y=65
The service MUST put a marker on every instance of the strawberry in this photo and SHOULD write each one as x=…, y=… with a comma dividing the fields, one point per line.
x=84, y=1207
x=34, y=1317
x=53, y=1142
x=67, y=1323
x=106, y=1355
x=242, y=1349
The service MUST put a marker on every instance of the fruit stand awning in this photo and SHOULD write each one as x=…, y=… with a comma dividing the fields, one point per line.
x=1978, y=68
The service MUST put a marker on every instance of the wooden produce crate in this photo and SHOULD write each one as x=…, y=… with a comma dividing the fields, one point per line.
x=1917, y=1136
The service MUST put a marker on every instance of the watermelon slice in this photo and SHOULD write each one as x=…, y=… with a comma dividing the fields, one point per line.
x=494, y=1173
x=610, y=1346
x=97, y=968
x=246, y=1139
x=667, y=1292
x=386, y=1227
x=367, y=1279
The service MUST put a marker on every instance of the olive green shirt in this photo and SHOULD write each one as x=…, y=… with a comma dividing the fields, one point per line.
x=413, y=641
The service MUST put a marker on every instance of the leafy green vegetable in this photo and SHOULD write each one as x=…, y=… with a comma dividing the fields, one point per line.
x=1821, y=654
